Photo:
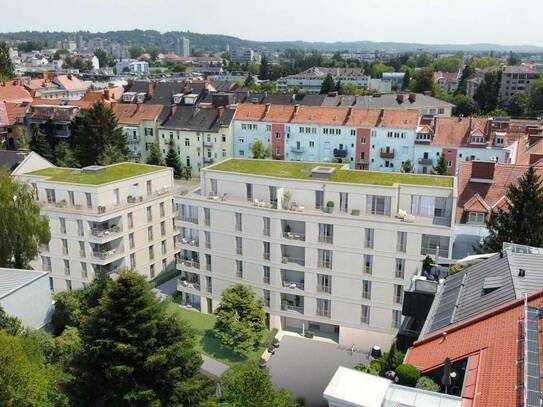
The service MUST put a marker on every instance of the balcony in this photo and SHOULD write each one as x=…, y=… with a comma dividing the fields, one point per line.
x=426, y=161
x=189, y=263
x=387, y=154
x=323, y=312
x=103, y=233
x=297, y=150
x=292, y=279
x=292, y=303
x=293, y=230
x=340, y=152
x=188, y=281
x=208, y=144
x=107, y=253
x=293, y=254
x=187, y=218
x=187, y=241
x=294, y=260
x=208, y=160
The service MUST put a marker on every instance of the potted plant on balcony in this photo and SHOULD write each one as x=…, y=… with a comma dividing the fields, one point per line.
x=131, y=199
x=284, y=305
x=329, y=207
x=101, y=209
x=63, y=203
x=287, y=196
x=115, y=229
x=355, y=212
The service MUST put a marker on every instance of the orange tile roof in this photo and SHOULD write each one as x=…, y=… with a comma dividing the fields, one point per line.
x=490, y=193
x=11, y=91
x=490, y=340
x=15, y=110
x=455, y=131
x=132, y=113
x=332, y=116
x=71, y=83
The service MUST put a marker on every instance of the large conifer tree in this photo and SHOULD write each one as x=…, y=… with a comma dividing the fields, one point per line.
x=328, y=85
x=173, y=161
x=155, y=157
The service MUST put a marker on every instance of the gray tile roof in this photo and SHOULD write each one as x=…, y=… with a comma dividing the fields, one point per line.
x=198, y=119
x=10, y=159
x=13, y=279
x=484, y=286
x=163, y=91
x=387, y=101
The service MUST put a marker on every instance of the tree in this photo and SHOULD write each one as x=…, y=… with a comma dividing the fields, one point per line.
x=22, y=228
x=467, y=73
x=153, y=53
x=339, y=87
x=519, y=104
x=65, y=156
x=67, y=311
x=173, y=161
x=536, y=97
x=6, y=66
x=250, y=386
x=25, y=378
x=103, y=58
x=465, y=105
x=135, y=52
x=423, y=80
x=258, y=149
x=155, y=156
x=264, y=72
x=133, y=351
x=425, y=383
x=440, y=167
x=448, y=64
x=111, y=155
x=328, y=85
x=522, y=223
x=11, y=325
x=406, y=79
x=407, y=166
x=408, y=375
x=39, y=143
x=513, y=59
x=391, y=359
x=487, y=94
x=240, y=319
x=94, y=131
x=249, y=81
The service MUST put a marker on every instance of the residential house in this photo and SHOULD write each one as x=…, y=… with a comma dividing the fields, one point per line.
x=447, y=81
x=515, y=79
x=74, y=88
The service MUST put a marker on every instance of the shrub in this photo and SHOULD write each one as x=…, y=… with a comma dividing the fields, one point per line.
x=309, y=334
x=330, y=204
x=408, y=375
x=425, y=383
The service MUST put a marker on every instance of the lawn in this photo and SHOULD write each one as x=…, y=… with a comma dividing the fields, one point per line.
x=208, y=344
x=302, y=170
x=111, y=173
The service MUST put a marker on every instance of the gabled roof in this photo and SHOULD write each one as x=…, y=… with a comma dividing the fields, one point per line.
x=12, y=91
x=455, y=131
x=70, y=83
x=132, y=113
x=476, y=204
x=12, y=280
x=198, y=119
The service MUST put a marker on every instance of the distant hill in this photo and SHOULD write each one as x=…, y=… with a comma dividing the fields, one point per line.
x=218, y=42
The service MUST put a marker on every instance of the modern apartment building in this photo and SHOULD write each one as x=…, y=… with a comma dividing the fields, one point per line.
x=515, y=79
x=329, y=249
x=104, y=219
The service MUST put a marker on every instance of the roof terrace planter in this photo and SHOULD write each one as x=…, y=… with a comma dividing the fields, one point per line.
x=340, y=152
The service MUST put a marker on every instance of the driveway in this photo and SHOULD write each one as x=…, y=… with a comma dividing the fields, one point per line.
x=305, y=366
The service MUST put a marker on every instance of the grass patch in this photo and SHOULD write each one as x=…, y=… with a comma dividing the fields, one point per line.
x=165, y=276
x=208, y=344
x=302, y=170
x=112, y=173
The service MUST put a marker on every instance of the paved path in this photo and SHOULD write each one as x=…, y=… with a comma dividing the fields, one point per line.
x=166, y=289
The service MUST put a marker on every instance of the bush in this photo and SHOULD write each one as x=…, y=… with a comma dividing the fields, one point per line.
x=408, y=375
x=309, y=334
x=330, y=204
x=425, y=383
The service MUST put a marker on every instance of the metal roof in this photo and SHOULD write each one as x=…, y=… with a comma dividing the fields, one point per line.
x=13, y=279
x=484, y=286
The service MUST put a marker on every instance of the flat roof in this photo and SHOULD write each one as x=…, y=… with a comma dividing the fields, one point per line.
x=302, y=171
x=13, y=279
x=111, y=173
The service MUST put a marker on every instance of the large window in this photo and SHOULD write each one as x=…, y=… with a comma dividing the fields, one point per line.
x=476, y=217
x=368, y=238
x=378, y=205
x=433, y=244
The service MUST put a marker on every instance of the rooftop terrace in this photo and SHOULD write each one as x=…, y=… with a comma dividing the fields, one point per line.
x=111, y=173
x=302, y=171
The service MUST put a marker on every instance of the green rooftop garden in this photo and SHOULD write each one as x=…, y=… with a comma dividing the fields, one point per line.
x=302, y=170
x=111, y=173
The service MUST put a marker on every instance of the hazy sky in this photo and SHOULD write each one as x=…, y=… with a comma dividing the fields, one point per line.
x=515, y=22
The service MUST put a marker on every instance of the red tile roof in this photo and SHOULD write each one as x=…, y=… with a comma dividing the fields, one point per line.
x=491, y=342
x=12, y=91
x=448, y=76
x=70, y=83
x=16, y=110
x=455, y=131
x=132, y=113
x=490, y=192
x=332, y=116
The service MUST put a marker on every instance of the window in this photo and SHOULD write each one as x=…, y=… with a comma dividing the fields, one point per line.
x=396, y=318
x=151, y=253
x=131, y=240
x=400, y=268
x=81, y=249
x=366, y=289
x=213, y=183
x=343, y=202
x=130, y=220
x=149, y=187
x=326, y=233
x=319, y=199
x=266, y=295
x=163, y=246
x=66, y=267
x=51, y=198
x=325, y=258
x=132, y=261
x=238, y=221
x=378, y=205
x=71, y=198
x=368, y=263
x=116, y=196
x=369, y=238
x=476, y=217
x=152, y=270
x=150, y=233
x=362, y=140
x=239, y=269
x=266, y=226
x=401, y=242
x=162, y=210
x=433, y=244
x=64, y=246
x=266, y=274
x=311, y=144
x=273, y=195
x=69, y=285
x=266, y=250
x=149, y=214
x=249, y=191
x=324, y=283
x=207, y=217
x=365, y=314
x=62, y=225
x=423, y=205
x=187, y=142
x=353, y=132
x=239, y=245
x=80, y=230
x=323, y=308
x=84, y=273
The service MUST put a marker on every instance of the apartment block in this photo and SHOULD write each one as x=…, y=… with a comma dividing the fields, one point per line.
x=328, y=249
x=104, y=219
x=516, y=79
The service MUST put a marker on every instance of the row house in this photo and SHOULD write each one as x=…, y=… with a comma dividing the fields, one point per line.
x=364, y=138
x=200, y=135
x=328, y=248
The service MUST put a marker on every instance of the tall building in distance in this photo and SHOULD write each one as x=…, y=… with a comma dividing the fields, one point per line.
x=182, y=48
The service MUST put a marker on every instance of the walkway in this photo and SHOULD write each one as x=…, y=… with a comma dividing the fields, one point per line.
x=166, y=289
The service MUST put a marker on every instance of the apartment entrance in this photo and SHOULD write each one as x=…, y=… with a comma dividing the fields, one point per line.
x=319, y=329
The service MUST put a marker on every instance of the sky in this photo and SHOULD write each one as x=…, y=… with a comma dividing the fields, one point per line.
x=507, y=22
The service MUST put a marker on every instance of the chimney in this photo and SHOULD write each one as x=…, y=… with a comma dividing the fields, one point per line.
x=267, y=109
x=382, y=115
x=150, y=88
x=483, y=169
x=296, y=109
x=174, y=109
x=400, y=97
x=70, y=76
x=413, y=97
x=107, y=94
x=220, y=112
x=350, y=113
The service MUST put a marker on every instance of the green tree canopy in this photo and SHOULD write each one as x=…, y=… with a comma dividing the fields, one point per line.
x=173, y=161
x=132, y=351
x=94, y=131
x=264, y=72
x=448, y=64
x=406, y=79
x=423, y=80
x=155, y=155
x=111, y=155
x=65, y=156
x=39, y=144
x=407, y=166
x=6, y=66
x=11, y=325
x=240, y=318
x=465, y=105
x=22, y=228
x=328, y=85
x=536, y=97
x=440, y=167
x=487, y=94
x=259, y=150
x=523, y=222
x=519, y=105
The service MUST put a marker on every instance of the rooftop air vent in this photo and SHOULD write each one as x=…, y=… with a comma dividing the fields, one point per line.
x=323, y=172
x=94, y=169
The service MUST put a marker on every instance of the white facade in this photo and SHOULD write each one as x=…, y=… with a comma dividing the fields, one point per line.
x=124, y=224
x=26, y=294
x=342, y=273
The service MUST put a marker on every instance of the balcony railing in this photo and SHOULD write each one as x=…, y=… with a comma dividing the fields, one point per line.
x=186, y=218
x=426, y=161
x=387, y=154
x=188, y=284
x=290, y=259
x=293, y=308
x=325, y=264
x=340, y=152
x=297, y=150
x=293, y=236
x=189, y=241
x=105, y=254
x=208, y=143
x=188, y=263
x=239, y=250
x=208, y=160
x=106, y=232
x=323, y=313
x=324, y=289
x=326, y=239
x=293, y=284
x=267, y=255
